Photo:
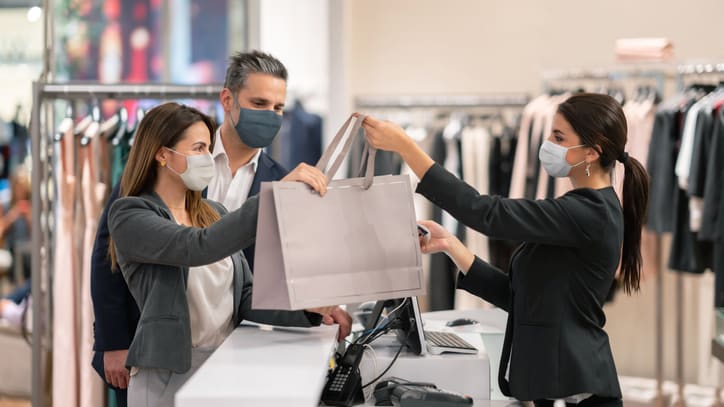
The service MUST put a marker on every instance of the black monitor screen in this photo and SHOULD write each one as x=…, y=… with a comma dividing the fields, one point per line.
x=406, y=321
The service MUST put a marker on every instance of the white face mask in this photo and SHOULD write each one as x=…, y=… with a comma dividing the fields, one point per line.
x=553, y=158
x=199, y=170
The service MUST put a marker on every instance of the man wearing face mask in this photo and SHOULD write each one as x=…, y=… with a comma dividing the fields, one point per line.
x=253, y=99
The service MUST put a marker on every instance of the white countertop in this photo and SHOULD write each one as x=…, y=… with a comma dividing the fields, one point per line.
x=263, y=367
x=280, y=366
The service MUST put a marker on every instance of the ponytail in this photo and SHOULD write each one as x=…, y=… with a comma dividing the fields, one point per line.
x=635, y=202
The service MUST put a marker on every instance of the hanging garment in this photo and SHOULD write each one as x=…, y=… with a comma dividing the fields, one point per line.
x=687, y=253
x=500, y=168
x=65, y=266
x=93, y=192
x=701, y=146
x=518, y=178
x=536, y=138
x=660, y=166
x=441, y=283
x=475, y=148
x=451, y=135
x=121, y=149
x=713, y=211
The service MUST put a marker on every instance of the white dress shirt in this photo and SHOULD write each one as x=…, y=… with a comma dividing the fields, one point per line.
x=230, y=191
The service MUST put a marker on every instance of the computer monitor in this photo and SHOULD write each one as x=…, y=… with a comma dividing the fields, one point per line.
x=410, y=333
x=409, y=330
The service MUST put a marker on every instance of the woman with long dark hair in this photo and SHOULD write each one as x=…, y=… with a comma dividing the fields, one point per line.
x=555, y=346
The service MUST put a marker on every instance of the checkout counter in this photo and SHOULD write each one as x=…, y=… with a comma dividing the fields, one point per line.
x=264, y=366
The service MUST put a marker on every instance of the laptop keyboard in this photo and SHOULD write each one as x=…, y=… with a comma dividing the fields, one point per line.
x=447, y=340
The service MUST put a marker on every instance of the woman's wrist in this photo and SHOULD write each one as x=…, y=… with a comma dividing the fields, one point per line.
x=415, y=157
x=460, y=255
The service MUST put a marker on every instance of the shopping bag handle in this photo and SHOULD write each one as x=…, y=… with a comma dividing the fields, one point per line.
x=369, y=152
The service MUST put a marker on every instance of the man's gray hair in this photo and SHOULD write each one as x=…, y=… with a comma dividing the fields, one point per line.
x=241, y=64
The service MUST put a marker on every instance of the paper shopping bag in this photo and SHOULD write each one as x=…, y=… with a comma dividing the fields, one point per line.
x=357, y=243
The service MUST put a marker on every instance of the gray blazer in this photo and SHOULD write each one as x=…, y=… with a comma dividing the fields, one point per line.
x=155, y=253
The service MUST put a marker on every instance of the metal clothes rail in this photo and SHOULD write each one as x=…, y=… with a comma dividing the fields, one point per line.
x=41, y=123
x=660, y=73
x=443, y=101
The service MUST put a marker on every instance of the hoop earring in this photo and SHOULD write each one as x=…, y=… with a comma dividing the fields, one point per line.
x=588, y=169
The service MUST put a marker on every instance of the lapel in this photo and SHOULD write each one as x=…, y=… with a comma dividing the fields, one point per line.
x=264, y=172
x=155, y=199
x=516, y=252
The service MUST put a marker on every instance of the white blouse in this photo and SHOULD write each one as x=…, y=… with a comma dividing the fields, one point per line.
x=210, y=293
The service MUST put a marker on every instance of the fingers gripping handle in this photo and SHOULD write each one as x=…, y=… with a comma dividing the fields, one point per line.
x=369, y=152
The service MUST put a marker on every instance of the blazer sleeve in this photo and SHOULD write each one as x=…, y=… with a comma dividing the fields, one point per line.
x=487, y=282
x=108, y=292
x=142, y=234
x=572, y=220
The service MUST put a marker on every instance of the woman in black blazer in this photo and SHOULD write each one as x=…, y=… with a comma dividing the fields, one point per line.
x=555, y=346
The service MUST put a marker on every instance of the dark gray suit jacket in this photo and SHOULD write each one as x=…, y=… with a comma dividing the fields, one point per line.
x=155, y=253
x=556, y=288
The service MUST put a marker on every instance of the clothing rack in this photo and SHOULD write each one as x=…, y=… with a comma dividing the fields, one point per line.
x=659, y=73
x=684, y=71
x=443, y=101
x=41, y=123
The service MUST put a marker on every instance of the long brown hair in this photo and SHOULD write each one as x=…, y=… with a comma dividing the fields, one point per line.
x=163, y=126
x=600, y=121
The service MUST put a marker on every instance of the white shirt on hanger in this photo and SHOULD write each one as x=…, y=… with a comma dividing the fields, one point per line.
x=231, y=191
x=683, y=160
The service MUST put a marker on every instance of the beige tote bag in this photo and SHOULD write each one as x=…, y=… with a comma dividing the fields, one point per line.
x=357, y=243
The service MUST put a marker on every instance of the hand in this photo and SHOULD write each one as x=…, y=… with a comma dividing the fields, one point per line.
x=385, y=135
x=439, y=239
x=344, y=320
x=114, y=364
x=335, y=315
x=323, y=311
x=310, y=176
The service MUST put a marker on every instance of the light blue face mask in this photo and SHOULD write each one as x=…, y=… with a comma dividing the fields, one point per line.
x=553, y=158
x=257, y=128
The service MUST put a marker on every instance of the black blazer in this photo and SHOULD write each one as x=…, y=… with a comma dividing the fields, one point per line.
x=116, y=312
x=556, y=286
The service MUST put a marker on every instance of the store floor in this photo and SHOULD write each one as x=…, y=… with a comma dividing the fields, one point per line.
x=5, y=402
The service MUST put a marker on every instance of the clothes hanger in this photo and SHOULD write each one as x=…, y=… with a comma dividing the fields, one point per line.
x=94, y=127
x=139, y=116
x=65, y=124
x=109, y=127
x=83, y=124
x=122, y=126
